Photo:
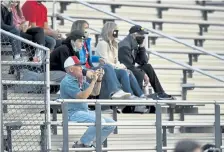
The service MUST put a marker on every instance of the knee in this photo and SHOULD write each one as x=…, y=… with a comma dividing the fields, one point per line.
x=111, y=127
x=50, y=42
x=124, y=74
x=108, y=67
x=15, y=31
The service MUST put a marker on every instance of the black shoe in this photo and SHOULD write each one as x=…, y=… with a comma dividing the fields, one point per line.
x=164, y=96
x=161, y=96
x=77, y=145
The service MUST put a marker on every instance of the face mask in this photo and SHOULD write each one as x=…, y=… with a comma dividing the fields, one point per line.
x=115, y=33
x=87, y=33
x=75, y=49
x=140, y=39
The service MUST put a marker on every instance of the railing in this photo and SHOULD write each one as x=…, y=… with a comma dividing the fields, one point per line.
x=151, y=30
x=46, y=82
x=158, y=123
x=158, y=54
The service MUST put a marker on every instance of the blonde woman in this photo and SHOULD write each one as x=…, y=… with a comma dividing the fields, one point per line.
x=107, y=48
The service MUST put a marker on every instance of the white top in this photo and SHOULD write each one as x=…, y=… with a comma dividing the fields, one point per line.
x=109, y=53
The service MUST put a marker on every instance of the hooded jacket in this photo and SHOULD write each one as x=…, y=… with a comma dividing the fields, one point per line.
x=61, y=53
x=129, y=53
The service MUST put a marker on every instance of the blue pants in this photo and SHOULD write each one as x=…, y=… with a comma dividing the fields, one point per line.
x=128, y=82
x=90, y=117
x=16, y=44
x=110, y=83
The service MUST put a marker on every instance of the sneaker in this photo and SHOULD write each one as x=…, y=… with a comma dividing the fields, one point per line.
x=77, y=145
x=121, y=95
x=141, y=109
x=164, y=96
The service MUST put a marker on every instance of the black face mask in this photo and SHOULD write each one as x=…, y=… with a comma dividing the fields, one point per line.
x=115, y=33
x=140, y=39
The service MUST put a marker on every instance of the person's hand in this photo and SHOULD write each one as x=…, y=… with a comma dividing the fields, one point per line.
x=95, y=76
x=89, y=73
x=101, y=61
x=146, y=80
x=55, y=33
x=100, y=73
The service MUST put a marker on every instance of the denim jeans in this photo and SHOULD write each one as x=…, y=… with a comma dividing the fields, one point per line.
x=110, y=83
x=89, y=117
x=50, y=42
x=128, y=82
x=16, y=44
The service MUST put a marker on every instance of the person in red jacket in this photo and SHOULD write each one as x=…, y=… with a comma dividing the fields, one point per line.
x=36, y=13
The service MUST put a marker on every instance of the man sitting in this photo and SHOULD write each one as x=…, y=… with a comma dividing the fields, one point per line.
x=111, y=89
x=132, y=51
x=36, y=13
x=73, y=86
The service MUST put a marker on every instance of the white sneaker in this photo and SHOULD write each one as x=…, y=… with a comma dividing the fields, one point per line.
x=141, y=109
x=133, y=97
x=121, y=95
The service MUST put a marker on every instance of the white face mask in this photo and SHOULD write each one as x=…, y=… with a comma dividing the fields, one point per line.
x=75, y=49
x=87, y=33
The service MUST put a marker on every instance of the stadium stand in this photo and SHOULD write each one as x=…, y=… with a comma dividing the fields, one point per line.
x=25, y=127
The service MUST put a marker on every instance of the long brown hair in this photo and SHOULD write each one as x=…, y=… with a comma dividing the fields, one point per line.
x=18, y=9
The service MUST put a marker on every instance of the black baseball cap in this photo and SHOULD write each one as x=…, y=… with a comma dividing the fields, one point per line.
x=76, y=34
x=138, y=29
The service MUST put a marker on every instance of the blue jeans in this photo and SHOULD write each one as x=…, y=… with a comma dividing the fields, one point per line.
x=16, y=44
x=89, y=117
x=110, y=83
x=128, y=82
x=50, y=42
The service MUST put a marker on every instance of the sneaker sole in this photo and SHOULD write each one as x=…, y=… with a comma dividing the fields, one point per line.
x=125, y=96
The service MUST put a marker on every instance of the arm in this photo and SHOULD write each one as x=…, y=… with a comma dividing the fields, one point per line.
x=141, y=58
x=125, y=57
x=49, y=31
x=96, y=90
x=101, y=50
x=5, y=26
x=63, y=56
x=86, y=93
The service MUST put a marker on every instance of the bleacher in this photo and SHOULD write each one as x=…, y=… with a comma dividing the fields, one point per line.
x=187, y=21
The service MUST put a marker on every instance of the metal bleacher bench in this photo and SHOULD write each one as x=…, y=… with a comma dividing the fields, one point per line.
x=8, y=138
x=192, y=86
x=180, y=108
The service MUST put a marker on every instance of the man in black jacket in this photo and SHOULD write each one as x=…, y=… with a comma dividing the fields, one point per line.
x=131, y=52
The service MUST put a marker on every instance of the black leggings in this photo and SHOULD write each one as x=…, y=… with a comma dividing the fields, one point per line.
x=36, y=35
x=154, y=81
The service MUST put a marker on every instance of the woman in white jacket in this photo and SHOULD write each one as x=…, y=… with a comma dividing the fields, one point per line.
x=107, y=48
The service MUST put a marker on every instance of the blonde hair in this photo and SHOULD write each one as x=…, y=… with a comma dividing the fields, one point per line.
x=107, y=30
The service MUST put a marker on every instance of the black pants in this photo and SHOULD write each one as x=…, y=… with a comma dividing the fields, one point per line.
x=154, y=81
x=35, y=35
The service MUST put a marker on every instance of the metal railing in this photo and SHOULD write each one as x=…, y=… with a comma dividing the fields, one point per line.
x=31, y=46
x=151, y=30
x=158, y=54
x=160, y=135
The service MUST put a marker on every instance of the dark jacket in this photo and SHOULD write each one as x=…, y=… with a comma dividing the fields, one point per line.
x=60, y=54
x=129, y=53
x=6, y=19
